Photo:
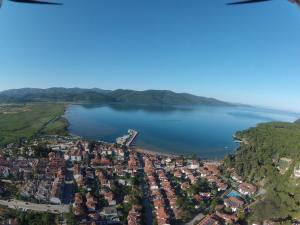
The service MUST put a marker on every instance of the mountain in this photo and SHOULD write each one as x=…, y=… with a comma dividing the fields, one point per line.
x=105, y=96
x=269, y=155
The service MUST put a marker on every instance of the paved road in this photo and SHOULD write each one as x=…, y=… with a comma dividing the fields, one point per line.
x=16, y=204
x=68, y=187
x=148, y=215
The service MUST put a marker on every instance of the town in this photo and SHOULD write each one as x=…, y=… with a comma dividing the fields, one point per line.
x=93, y=182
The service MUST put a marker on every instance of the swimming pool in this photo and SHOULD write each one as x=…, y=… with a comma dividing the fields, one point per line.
x=233, y=193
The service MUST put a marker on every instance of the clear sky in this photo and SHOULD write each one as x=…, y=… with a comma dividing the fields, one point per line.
x=248, y=54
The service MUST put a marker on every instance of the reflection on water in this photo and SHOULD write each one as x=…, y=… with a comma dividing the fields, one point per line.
x=146, y=108
x=204, y=130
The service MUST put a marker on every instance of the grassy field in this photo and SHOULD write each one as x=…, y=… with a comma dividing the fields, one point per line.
x=24, y=121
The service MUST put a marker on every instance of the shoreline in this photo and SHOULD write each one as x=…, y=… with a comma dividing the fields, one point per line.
x=165, y=154
x=153, y=152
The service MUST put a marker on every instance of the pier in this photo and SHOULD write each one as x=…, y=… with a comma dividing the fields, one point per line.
x=127, y=140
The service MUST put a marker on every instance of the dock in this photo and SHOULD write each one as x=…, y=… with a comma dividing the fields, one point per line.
x=128, y=139
x=132, y=135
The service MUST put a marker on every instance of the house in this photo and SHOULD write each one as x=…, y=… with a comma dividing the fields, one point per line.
x=76, y=155
x=4, y=171
x=110, y=212
x=228, y=218
x=43, y=191
x=134, y=216
x=109, y=196
x=233, y=203
x=212, y=168
x=178, y=174
x=161, y=216
x=28, y=189
x=77, y=205
x=158, y=203
x=184, y=186
x=194, y=164
x=91, y=202
x=192, y=178
x=221, y=185
x=56, y=191
x=236, y=178
x=247, y=189
x=205, y=195
x=209, y=220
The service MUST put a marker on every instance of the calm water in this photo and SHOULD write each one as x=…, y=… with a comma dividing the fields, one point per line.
x=206, y=131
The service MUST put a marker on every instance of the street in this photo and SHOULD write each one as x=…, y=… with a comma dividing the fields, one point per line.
x=16, y=204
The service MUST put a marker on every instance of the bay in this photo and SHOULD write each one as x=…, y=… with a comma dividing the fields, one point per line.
x=203, y=130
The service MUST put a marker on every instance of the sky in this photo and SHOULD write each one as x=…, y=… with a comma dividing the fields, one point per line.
x=248, y=54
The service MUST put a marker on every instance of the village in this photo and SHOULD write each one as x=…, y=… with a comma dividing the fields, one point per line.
x=110, y=183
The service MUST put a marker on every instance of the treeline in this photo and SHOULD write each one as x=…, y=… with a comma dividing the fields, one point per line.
x=28, y=218
x=163, y=97
x=258, y=160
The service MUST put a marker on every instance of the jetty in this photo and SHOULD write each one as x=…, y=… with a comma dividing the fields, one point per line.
x=127, y=139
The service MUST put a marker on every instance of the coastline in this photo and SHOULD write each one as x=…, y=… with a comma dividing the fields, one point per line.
x=157, y=153
x=153, y=152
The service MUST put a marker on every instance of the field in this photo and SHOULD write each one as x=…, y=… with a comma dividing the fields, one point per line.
x=27, y=120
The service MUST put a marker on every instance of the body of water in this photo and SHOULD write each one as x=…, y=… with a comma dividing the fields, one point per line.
x=205, y=130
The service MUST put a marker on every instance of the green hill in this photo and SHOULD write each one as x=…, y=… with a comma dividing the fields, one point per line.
x=268, y=156
x=105, y=96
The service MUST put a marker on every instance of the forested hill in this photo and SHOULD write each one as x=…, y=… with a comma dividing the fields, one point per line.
x=268, y=156
x=105, y=96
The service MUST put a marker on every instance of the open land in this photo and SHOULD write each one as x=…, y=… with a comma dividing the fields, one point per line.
x=26, y=120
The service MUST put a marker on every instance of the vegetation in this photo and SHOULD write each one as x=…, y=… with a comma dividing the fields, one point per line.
x=258, y=160
x=71, y=218
x=28, y=218
x=104, y=96
x=31, y=119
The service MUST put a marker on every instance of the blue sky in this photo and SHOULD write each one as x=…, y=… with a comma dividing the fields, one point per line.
x=248, y=54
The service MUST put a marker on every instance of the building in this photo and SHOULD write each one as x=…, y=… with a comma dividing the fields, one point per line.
x=56, y=191
x=247, y=189
x=233, y=203
x=209, y=220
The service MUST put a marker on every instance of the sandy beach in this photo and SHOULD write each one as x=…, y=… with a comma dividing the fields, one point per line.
x=151, y=152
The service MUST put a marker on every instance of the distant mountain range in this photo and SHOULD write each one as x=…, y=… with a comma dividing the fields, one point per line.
x=95, y=95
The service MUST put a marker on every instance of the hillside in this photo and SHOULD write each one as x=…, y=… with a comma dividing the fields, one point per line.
x=105, y=96
x=268, y=156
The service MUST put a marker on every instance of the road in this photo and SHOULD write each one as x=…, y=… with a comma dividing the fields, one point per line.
x=148, y=215
x=16, y=204
x=68, y=187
